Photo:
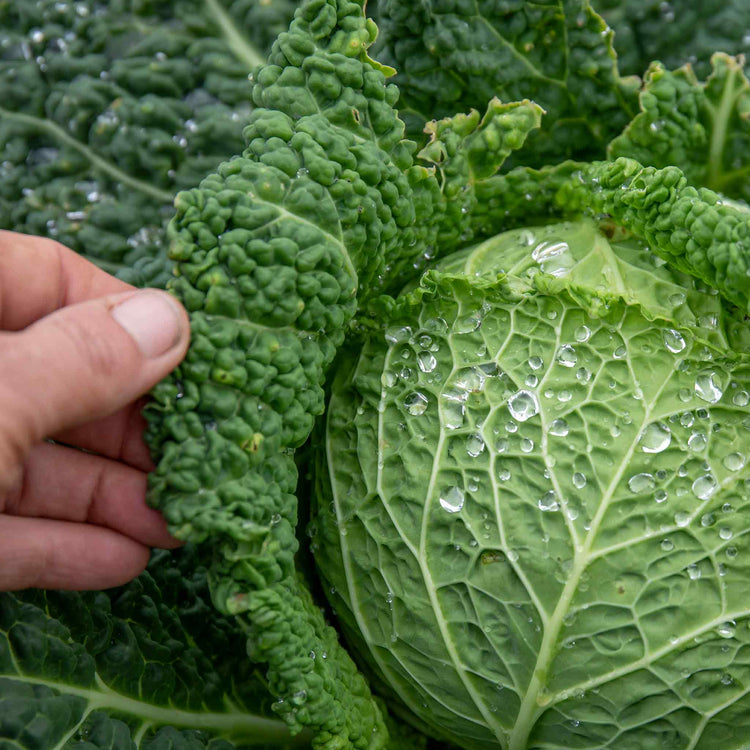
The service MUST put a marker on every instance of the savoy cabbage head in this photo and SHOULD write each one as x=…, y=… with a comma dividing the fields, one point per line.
x=461, y=441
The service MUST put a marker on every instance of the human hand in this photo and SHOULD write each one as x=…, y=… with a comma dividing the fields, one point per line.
x=77, y=350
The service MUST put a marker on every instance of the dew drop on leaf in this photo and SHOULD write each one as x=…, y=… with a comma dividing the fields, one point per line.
x=697, y=442
x=734, y=461
x=452, y=499
x=693, y=571
x=726, y=629
x=566, y=356
x=667, y=545
x=741, y=398
x=582, y=333
x=639, y=483
x=416, y=403
x=527, y=445
x=674, y=341
x=708, y=386
x=579, y=480
x=523, y=405
x=474, y=445
x=660, y=496
x=583, y=375
x=559, y=428
x=536, y=363
x=548, y=502
x=655, y=438
x=725, y=533
x=426, y=361
x=705, y=486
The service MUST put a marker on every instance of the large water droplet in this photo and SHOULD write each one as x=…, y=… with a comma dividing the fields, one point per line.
x=474, y=445
x=579, y=480
x=470, y=379
x=523, y=405
x=734, y=461
x=708, y=386
x=536, y=363
x=566, y=356
x=673, y=340
x=453, y=414
x=559, y=428
x=416, y=403
x=697, y=441
x=452, y=499
x=548, y=502
x=426, y=361
x=582, y=333
x=397, y=334
x=705, y=486
x=467, y=323
x=639, y=483
x=655, y=438
x=727, y=629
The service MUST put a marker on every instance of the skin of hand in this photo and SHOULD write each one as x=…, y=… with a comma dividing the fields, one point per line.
x=78, y=348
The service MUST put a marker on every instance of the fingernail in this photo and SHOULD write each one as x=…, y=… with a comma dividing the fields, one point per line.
x=151, y=318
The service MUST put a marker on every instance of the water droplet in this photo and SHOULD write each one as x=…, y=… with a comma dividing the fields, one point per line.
x=559, y=428
x=453, y=414
x=398, y=334
x=467, y=323
x=655, y=438
x=741, y=398
x=548, y=502
x=523, y=405
x=726, y=679
x=705, y=486
x=416, y=403
x=474, y=445
x=725, y=533
x=503, y=475
x=531, y=381
x=681, y=518
x=452, y=499
x=708, y=519
x=734, y=461
x=673, y=340
x=583, y=375
x=667, y=545
x=426, y=361
x=693, y=571
x=708, y=386
x=582, y=333
x=502, y=445
x=564, y=396
x=687, y=419
x=536, y=363
x=620, y=352
x=527, y=445
x=660, y=496
x=727, y=629
x=640, y=483
x=470, y=379
x=697, y=442
x=579, y=480
x=566, y=356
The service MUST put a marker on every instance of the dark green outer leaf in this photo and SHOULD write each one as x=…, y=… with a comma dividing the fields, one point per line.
x=151, y=665
x=675, y=32
x=106, y=110
x=702, y=128
x=456, y=55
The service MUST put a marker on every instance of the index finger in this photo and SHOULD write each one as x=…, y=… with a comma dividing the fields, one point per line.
x=39, y=276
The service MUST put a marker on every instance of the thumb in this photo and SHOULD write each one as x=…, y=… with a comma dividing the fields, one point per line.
x=83, y=362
